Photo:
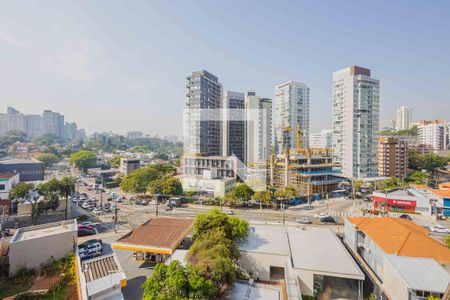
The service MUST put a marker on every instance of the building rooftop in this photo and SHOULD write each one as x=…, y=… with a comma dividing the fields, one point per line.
x=19, y=161
x=242, y=290
x=422, y=274
x=442, y=193
x=444, y=185
x=402, y=237
x=324, y=253
x=267, y=240
x=40, y=231
x=158, y=235
x=7, y=175
x=99, y=267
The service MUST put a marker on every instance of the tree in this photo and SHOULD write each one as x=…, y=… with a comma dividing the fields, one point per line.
x=242, y=193
x=49, y=159
x=447, y=240
x=167, y=185
x=139, y=180
x=390, y=183
x=175, y=281
x=288, y=192
x=417, y=177
x=264, y=197
x=20, y=190
x=66, y=188
x=83, y=159
x=114, y=162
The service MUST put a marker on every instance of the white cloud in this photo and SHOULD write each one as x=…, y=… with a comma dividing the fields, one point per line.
x=7, y=38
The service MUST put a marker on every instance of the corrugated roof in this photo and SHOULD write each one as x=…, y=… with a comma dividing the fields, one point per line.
x=402, y=237
x=99, y=268
x=423, y=274
x=158, y=234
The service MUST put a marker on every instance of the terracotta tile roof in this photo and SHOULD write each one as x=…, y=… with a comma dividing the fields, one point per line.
x=159, y=235
x=402, y=237
x=444, y=185
x=442, y=193
x=421, y=186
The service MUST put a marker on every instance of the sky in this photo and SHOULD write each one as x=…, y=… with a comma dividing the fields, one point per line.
x=122, y=65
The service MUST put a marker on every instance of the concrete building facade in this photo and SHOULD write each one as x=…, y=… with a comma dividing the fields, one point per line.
x=28, y=169
x=234, y=125
x=323, y=139
x=434, y=133
x=392, y=157
x=404, y=118
x=204, y=92
x=291, y=110
x=355, y=119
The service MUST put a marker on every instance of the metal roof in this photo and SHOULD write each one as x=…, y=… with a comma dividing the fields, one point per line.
x=320, y=250
x=423, y=274
x=99, y=268
x=266, y=240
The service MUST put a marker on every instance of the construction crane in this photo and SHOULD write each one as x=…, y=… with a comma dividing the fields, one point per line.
x=298, y=138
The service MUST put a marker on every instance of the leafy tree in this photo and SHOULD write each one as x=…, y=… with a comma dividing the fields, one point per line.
x=390, y=183
x=114, y=162
x=139, y=180
x=447, y=240
x=83, y=159
x=434, y=162
x=175, y=281
x=241, y=193
x=168, y=185
x=417, y=177
x=20, y=190
x=264, y=197
x=49, y=159
x=287, y=192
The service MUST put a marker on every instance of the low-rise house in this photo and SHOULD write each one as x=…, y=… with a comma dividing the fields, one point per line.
x=101, y=278
x=311, y=261
x=35, y=245
x=7, y=181
x=395, y=250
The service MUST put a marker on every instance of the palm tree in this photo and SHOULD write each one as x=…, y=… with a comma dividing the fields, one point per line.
x=66, y=186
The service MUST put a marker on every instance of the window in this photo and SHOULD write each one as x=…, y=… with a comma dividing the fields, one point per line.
x=2, y=187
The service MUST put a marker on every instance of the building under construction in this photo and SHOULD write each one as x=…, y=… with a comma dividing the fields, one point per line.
x=310, y=171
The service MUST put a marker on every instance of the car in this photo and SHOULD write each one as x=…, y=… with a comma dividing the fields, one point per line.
x=85, y=205
x=406, y=217
x=107, y=209
x=6, y=232
x=93, y=246
x=303, y=221
x=74, y=200
x=97, y=211
x=89, y=254
x=321, y=215
x=85, y=227
x=439, y=229
x=327, y=219
x=86, y=223
x=82, y=245
x=86, y=231
x=228, y=212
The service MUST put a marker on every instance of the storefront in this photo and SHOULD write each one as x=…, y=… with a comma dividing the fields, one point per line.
x=395, y=202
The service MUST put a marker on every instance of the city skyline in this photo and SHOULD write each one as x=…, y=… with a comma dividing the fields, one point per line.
x=124, y=57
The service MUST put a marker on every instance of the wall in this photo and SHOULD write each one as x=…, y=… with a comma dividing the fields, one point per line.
x=27, y=171
x=32, y=253
x=393, y=283
x=8, y=184
x=25, y=208
x=259, y=263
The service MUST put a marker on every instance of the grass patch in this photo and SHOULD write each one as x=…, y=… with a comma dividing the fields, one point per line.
x=17, y=284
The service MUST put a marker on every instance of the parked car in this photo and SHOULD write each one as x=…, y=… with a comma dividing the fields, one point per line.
x=85, y=205
x=86, y=223
x=74, y=200
x=304, y=221
x=85, y=226
x=86, y=231
x=82, y=245
x=406, y=217
x=93, y=246
x=97, y=211
x=327, y=219
x=228, y=212
x=439, y=229
x=90, y=254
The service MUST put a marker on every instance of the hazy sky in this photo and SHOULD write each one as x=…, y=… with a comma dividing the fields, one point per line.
x=121, y=65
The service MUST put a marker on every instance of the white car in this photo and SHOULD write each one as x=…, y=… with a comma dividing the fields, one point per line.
x=85, y=205
x=97, y=211
x=86, y=223
x=228, y=212
x=321, y=215
x=439, y=229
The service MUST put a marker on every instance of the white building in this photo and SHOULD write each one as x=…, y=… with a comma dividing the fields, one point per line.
x=291, y=110
x=34, y=126
x=434, y=133
x=32, y=246
x=323, y=139
x=404, y=118
x=258, y=127
x=356, y=110
x=7, y=181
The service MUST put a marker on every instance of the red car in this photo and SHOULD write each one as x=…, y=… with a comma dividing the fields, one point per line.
x=88, y=227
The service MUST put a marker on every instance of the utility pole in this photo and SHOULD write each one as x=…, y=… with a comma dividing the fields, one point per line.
x=157, y=202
